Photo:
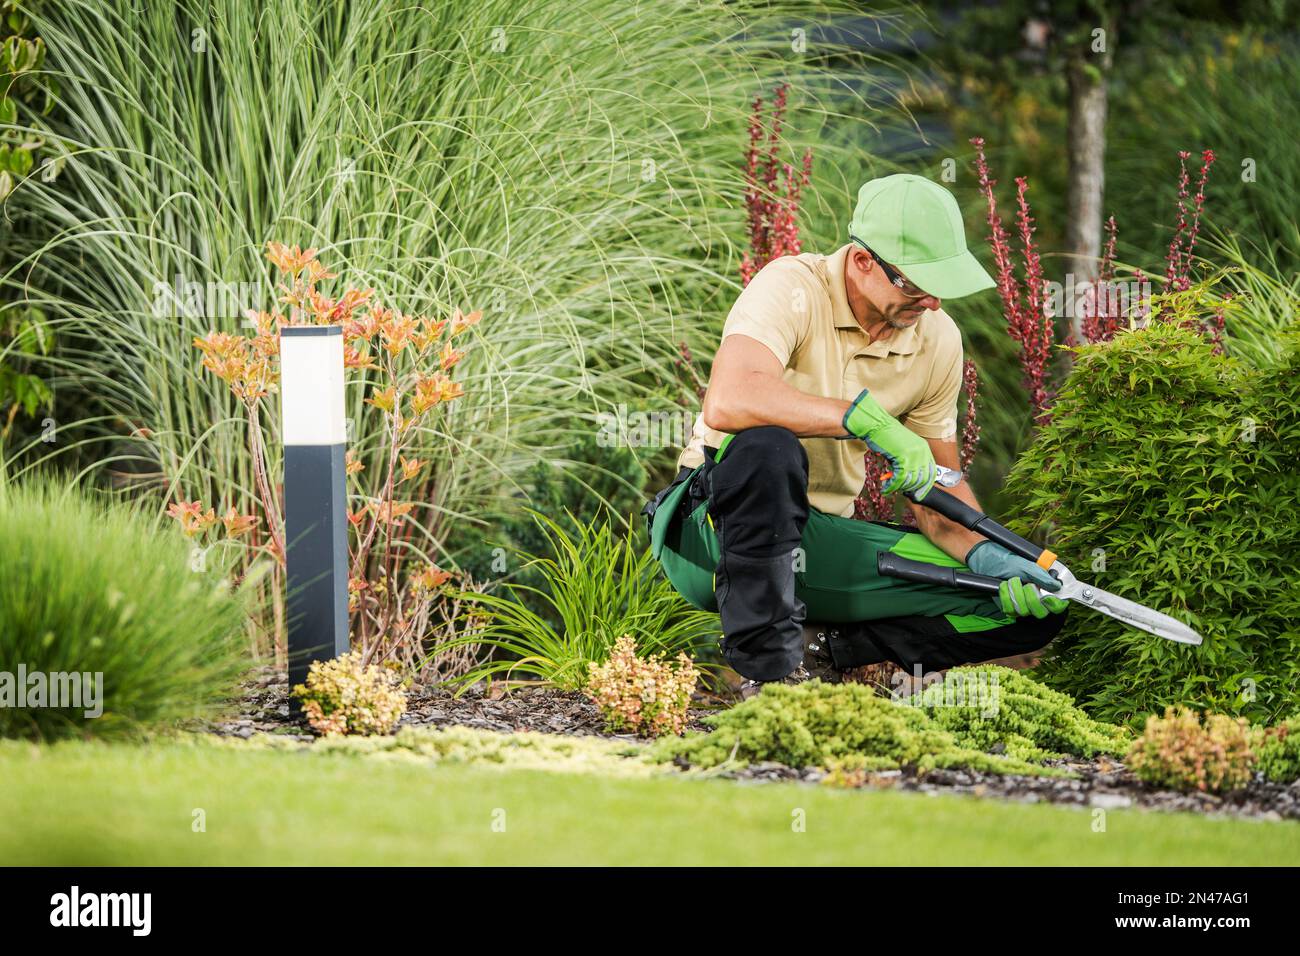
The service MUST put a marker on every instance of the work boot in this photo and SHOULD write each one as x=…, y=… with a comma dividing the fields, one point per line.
x=817, y=658
x=751, y=687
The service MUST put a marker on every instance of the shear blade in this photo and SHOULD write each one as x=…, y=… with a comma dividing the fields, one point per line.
x=1131, y=613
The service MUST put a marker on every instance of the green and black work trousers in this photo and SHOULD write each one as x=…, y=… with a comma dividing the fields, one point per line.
x=736, y=535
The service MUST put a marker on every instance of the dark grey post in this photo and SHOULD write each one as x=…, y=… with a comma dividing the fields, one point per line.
x=315, y=496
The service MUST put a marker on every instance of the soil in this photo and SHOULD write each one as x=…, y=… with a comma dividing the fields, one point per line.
x=263, y=707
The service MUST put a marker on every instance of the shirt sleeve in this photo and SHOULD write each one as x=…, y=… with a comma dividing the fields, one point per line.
x=936, y=414
x=775, y=308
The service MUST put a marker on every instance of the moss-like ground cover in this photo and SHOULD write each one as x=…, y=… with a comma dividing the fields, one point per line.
x=982, y=718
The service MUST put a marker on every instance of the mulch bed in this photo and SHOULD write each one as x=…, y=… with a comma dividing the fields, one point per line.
x=1102, y=783
x=264, y=708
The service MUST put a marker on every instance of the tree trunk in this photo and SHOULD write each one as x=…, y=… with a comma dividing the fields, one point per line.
x=1087, y=75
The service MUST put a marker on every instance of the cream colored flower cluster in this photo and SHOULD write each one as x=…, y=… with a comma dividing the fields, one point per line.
x=649, y=696
x=345, y=696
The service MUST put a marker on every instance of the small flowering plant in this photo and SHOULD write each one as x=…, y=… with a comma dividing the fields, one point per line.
x=346, y=696
x=406, y=361
x=648, y=696
x=1179, y=751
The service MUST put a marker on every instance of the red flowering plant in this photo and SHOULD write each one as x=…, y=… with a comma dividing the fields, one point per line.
x=1028, y=321
x=393, y=593
x=1104, y=311
x=772, y=212
x=773, y=190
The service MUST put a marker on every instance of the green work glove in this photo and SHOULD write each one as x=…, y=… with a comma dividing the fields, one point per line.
x=991, y=558
x=1020, y=599
x=909, y=454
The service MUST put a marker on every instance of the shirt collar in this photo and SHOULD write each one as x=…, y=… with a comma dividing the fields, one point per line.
x=902, y=342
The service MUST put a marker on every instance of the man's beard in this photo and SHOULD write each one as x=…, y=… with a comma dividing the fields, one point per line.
x=904, y=320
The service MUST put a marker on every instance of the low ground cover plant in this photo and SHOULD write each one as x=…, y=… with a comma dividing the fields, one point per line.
x=103, y=612
x=346, y=696
x=1167, y=475
x=842, y=728
x=646, y=695
x=1180, y=751
x=987, y=707
x=518, y=750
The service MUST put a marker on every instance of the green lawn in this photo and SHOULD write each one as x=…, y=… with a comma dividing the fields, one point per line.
x=90, y=804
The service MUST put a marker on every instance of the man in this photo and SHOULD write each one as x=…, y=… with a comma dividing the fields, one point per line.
x=823, y=357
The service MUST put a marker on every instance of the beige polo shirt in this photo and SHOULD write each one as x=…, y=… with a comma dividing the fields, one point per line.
x=797, y=306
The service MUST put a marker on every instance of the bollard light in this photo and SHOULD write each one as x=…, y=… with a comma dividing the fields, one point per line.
x=315, y=495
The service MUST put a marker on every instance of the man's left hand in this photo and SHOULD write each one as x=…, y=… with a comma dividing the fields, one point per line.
x=991, y=558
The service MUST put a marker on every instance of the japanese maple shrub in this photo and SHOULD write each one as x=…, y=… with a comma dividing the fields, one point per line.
x=1167, y=475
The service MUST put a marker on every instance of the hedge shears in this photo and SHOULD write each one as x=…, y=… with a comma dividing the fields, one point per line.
x=953, y=508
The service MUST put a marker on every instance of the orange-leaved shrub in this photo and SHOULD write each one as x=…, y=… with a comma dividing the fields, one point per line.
x=646, y=695
x=346, y=696
x=396, y=594
x=1179, y=751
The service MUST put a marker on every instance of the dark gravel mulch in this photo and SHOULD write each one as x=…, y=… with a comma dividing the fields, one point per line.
x=263, y=707
x=1102, y=782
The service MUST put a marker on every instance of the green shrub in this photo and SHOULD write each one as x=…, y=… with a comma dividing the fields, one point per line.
x=839, y=727
x=94, y=589
x=983, y=707
x=599, y=585
x=587, y=482
x=1178, y=751
x=1167, y=476
x=1278, y=751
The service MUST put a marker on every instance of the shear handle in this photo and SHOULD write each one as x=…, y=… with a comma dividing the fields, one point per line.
x=957, y=510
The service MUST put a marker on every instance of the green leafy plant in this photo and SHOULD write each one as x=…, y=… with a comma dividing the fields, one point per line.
x=585, y=482
x=1277, y=751
x=1179, y=751
x=984, y=707
x=22, y=59
x=599, y=585
x=91, y=588
x=26, y=335
x=838, y=727
x=646, y=695
x=346, y=696
x=1167, y=475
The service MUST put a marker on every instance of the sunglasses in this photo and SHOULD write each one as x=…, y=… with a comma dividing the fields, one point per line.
x=894, y=277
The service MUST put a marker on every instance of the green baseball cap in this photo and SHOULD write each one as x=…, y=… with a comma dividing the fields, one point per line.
x=914, y=225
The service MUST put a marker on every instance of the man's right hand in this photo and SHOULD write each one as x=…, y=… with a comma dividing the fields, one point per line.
x=1020, y=599
x=909, y=454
